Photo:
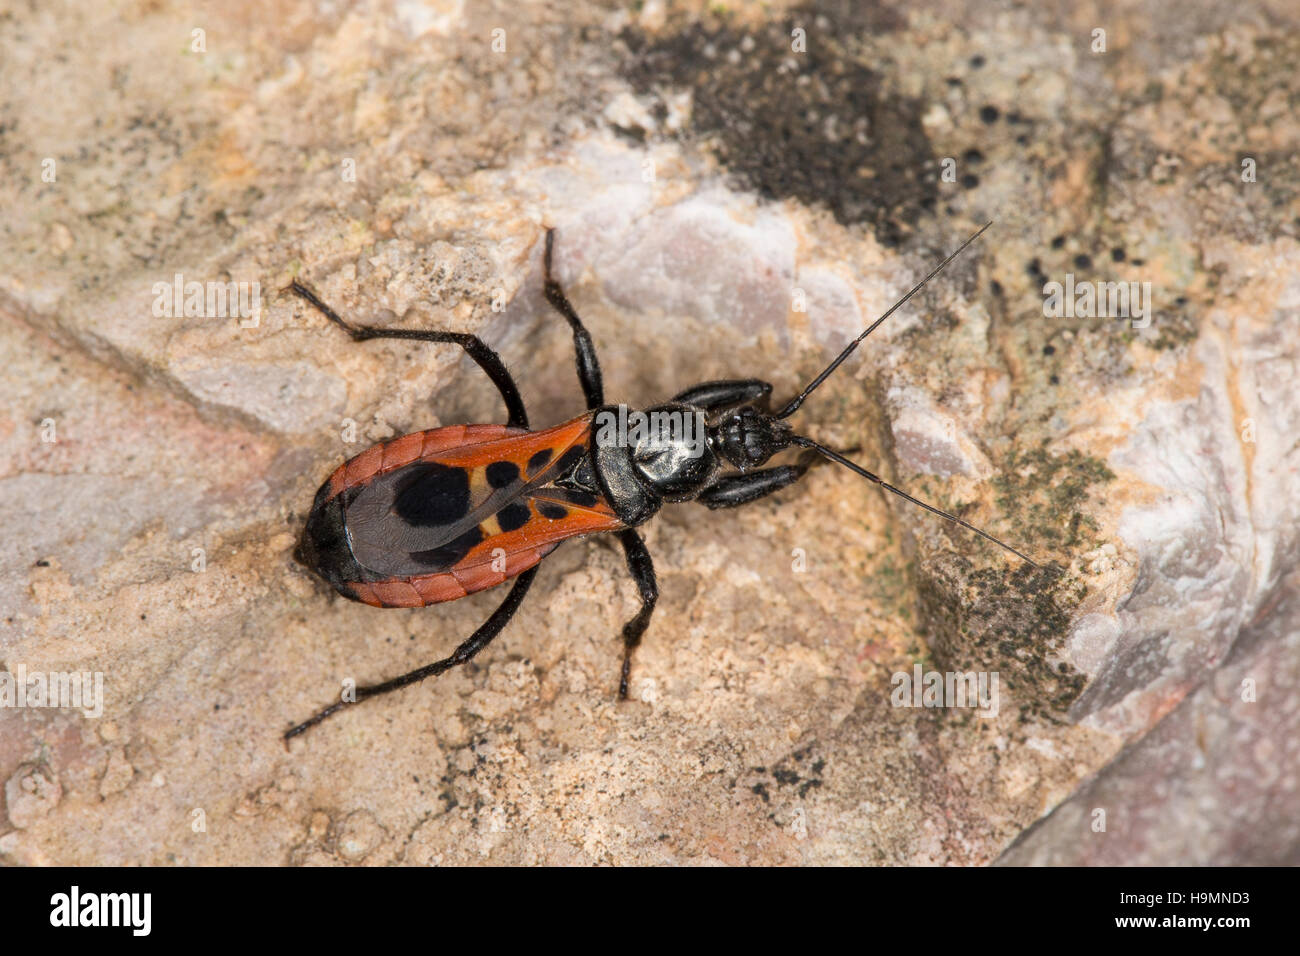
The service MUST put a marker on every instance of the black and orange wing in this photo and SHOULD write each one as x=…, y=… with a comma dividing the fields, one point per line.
x=436, y=515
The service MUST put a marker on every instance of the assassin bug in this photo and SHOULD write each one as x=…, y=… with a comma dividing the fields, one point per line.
x=436, y=515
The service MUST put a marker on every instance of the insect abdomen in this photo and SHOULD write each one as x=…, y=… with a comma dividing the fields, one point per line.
x=436, y=515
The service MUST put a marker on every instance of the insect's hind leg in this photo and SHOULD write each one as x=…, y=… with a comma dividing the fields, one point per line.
x=471, y=646
x=642, y=568
x=474, y=347
x=588, y=365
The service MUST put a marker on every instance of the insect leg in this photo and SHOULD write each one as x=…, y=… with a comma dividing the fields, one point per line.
x=474, y=347
x=730, y=491
x=471, y=646
x=588, y=364
x=643, y=572
x=729, y=393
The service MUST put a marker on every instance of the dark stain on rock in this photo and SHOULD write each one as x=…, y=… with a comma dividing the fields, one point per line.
x=817, y=126
x=1016, y=622
x=1013, y=624
x=1037, y=490
x=788, y=776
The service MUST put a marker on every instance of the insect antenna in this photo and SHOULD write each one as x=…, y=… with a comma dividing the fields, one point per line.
x=803, y=442
x=793, y=405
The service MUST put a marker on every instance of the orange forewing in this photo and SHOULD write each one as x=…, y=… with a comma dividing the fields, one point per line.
x=502, y=555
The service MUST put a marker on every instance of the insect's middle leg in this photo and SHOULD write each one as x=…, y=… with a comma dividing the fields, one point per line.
x=588, y=365
x=474, y=347
x=642, y=569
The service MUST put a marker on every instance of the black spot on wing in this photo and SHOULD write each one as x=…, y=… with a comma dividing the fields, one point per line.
x=539, y=460
x=443, y=557
x=583, y=499
x=570, y=458
x=513, y=516
x=432, y=494
x=549, y=509
x=502, y=473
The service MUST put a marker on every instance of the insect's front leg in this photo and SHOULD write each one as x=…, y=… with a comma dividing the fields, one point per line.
x=728, y=393
x=731, y=491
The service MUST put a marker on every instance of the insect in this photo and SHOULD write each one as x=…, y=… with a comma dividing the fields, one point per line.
x=435, y=515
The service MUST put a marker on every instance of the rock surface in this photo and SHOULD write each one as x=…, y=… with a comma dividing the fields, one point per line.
x=727, y=204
